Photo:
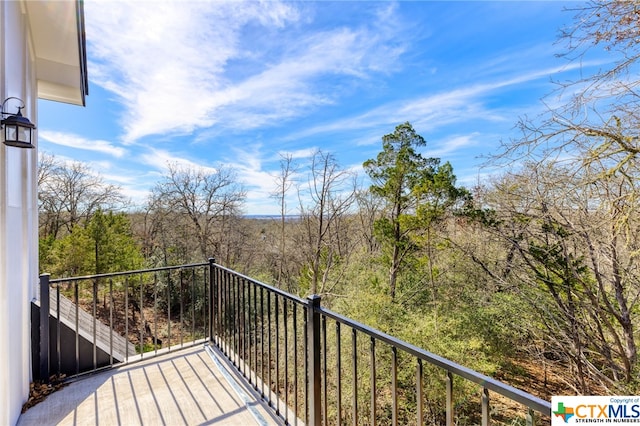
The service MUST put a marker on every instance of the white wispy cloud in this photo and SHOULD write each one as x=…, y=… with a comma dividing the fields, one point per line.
x=120, y=179
x=79, y=142
x=299, y=153
x=166, y=63
x=463, y=103
x=177, y=69
x=160, y=160
x=451, y=145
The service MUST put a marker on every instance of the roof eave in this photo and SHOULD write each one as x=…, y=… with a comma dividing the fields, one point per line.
x=58, y=35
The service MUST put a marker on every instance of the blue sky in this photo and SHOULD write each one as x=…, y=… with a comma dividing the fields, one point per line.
x=206, y=84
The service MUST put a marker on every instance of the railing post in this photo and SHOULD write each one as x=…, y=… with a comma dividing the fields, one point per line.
x=314, y=386
x=44, y=327
x=212, y=303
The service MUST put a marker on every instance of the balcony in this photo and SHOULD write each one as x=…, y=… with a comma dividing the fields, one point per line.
x=192, y=386
x=215, y=346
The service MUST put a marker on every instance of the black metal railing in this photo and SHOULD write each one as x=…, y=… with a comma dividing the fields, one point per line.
x=100, y=320
x=311, y=365
x=283, y=346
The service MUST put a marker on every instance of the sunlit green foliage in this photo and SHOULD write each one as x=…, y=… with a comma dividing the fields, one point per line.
x=104, y=244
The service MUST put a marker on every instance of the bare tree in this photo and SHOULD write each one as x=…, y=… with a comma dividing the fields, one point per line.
x=370, y=209
x=574, y=228
x=207, y=199
x=69, y=193
x=612, y=26
x=47, y=165
x=324, y=206
x=284, y=182
x=572, y=250
x=595, y=117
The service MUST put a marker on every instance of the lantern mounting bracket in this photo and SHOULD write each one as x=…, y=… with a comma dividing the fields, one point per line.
x=18, y=130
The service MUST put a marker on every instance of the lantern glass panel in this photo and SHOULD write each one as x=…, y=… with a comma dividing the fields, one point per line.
x=10, y=132
x=24, y=134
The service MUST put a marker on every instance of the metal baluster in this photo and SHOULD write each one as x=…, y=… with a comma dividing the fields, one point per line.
x=209, y=297
x=239, y=324
x=169, y=308
x=286, y=361
x=126, y=315
x=531, y=417
x=295, y=363
x=338, y=374
x=249, y=327
x=419, y=396
x=277, y=355
x=142, y=325
x=245, y=329
x=354, y=359
x=269, y=357
x=243, y=321
x=155, y=312
x=230, y=315
x=324, y=371
x=181, y=295
x=94, y=297
x=248, y=346
x=58, y=346
x=449, y=408
x=110, y=321
x=262, y=377
x=373, y=381
x=485, y=407
x=223, y=309
x=394, y=386
x=255, y=335
x=212, y=306
x=219, y=308
x=306, y=364
x=234, y=322
x=193, y=305
x=76, y=301
x=227, y=312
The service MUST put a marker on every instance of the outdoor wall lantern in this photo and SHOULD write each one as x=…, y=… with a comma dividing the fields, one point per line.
x=18, y=130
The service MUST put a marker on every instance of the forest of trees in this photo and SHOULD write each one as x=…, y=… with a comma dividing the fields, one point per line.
x=537, y=266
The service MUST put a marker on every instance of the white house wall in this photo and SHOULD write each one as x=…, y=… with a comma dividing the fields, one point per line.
x=18, y=216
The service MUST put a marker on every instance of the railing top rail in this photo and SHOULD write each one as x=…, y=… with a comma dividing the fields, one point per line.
x=266, y=286
x=514, y=394
x=115, y=274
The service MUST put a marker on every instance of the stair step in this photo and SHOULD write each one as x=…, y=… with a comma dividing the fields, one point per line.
x=104, y=335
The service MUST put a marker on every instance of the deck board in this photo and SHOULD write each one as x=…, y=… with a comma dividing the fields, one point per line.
x=179, y=388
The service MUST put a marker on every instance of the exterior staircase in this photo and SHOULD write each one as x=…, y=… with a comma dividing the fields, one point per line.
x=105, y=336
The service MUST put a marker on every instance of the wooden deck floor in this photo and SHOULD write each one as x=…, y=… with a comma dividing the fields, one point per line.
x=190, y=387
